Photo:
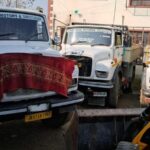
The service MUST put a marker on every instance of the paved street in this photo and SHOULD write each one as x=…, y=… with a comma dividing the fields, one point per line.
x=18, y=135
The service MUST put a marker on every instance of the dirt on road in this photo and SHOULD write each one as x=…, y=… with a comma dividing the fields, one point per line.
x=17, y=135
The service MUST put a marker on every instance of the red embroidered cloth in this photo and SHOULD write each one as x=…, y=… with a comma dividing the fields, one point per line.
x=31, y=71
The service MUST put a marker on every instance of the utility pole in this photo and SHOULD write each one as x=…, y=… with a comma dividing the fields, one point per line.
x=70, y=19
x=54, y=19
x=114, y=12
x=123, y=20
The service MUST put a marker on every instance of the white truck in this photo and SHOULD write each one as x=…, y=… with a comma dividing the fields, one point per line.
x=145, y=84
x=25, y=32
x=105, y=57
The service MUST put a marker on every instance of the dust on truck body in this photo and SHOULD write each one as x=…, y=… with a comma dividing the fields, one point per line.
x=106, y=59
x=24, y=34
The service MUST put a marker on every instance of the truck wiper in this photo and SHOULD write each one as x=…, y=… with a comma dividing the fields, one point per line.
x=98, y=44
x=7, y=34
x=76, y=42
x=33, y=35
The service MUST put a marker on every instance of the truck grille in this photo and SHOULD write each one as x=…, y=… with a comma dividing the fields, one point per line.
x=84, y=64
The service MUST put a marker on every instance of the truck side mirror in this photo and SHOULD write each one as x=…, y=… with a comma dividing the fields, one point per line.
x=127, y=41
x=56, y=41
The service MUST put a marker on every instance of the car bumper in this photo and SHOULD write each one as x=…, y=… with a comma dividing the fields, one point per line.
x=54, y=103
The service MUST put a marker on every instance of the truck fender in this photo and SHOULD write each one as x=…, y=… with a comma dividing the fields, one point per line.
x=118, y=71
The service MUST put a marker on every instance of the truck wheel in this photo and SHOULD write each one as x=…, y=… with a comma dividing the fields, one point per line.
x=114, y=93
x=57, y=120
x=123, y=145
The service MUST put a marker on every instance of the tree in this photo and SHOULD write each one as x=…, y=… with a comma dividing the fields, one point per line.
x=17, y=3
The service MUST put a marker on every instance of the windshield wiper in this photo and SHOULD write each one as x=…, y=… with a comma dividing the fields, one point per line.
x=33, y=35
x=98, y=44
x=76, y=42
x=7, y=34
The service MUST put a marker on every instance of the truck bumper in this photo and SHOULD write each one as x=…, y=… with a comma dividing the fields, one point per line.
x=96, y=92
x=96, y=84
x=21, y=108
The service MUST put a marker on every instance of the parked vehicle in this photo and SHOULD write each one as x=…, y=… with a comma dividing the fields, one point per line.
x=137, y=135
x=145, y=86
x=24, y=44
x=106, y=60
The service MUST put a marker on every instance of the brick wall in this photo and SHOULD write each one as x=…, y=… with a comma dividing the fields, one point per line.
x=50, y=16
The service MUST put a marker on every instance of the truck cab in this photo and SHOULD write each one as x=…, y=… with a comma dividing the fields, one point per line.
x=99, y=50
x=24, y=33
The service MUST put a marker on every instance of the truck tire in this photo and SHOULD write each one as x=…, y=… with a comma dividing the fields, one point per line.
x=114, y=93
x=123, y=145
x=128, y=88
x=57, y=120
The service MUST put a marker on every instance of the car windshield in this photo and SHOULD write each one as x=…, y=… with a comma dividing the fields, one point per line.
x=20, y=26
x=88, y=35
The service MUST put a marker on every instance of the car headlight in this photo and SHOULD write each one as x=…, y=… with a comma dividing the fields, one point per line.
x=101, y=74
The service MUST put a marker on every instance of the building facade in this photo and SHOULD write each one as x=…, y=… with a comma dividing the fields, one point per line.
x=133, y=13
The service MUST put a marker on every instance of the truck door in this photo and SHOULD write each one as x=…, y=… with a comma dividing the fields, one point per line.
x=118, y=48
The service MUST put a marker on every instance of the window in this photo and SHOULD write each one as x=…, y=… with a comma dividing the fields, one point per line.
x=86, y=35
x=118, y=38
x=140, y=3
x=142, y=37
x=146, y=137
x=20, y=26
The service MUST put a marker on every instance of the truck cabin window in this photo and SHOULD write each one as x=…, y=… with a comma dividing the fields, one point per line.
x=27, y=27
x=89, y=36
x=118, y=39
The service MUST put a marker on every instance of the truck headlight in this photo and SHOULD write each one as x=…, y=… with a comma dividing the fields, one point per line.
x=101, y=74
x=75, y=73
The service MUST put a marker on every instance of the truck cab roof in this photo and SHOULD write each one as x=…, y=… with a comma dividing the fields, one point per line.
x=35, y=12
x=93, y=25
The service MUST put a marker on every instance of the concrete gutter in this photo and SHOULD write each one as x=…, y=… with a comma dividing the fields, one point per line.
x=109, y=112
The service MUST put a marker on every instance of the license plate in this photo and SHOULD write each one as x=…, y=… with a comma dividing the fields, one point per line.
x=38, y=116
x=38, y=108
x=100, y=94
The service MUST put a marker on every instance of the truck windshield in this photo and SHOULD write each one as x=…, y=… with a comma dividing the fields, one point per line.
x=88, y=35
x=21, y=26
